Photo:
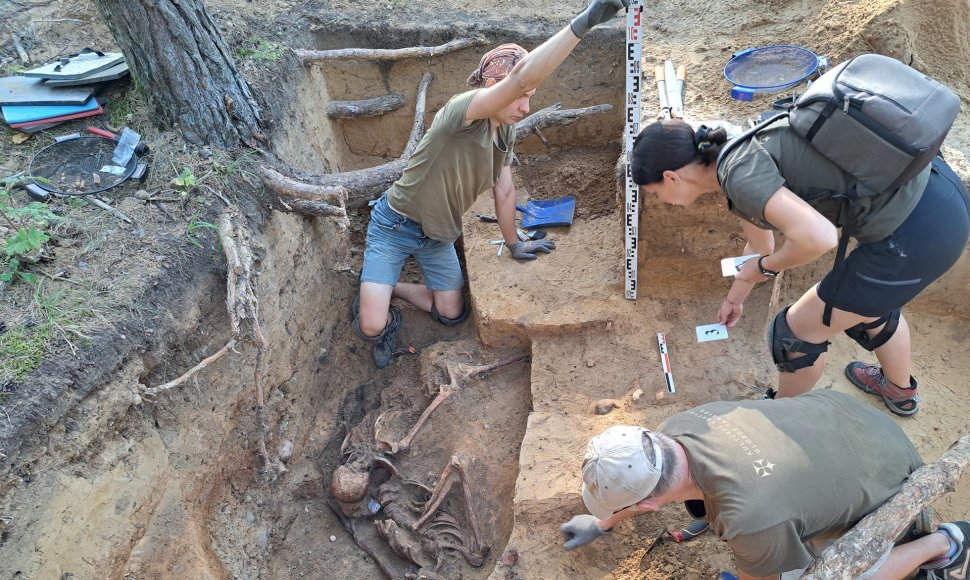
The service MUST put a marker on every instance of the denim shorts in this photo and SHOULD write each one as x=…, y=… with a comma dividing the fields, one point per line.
x=882, y=276
x=392, y=237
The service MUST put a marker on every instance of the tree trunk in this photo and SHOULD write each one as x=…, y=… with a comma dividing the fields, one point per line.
x=177, y=53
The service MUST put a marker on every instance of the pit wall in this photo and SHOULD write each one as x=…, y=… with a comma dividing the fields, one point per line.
x=313, y=143
x=128, y=487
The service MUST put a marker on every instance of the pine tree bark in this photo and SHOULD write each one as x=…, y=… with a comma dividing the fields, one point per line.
x=176, y=52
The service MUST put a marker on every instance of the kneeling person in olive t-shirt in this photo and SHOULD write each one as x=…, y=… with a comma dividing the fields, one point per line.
x=775, y=479
x=467, y=150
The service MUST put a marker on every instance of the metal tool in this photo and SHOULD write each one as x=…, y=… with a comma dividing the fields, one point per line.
x=670, y=89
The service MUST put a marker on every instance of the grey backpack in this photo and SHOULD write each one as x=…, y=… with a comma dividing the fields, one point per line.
x=876, y=118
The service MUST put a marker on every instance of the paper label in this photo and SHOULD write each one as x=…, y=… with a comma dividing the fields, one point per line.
x=707, y=332
x=729, y=266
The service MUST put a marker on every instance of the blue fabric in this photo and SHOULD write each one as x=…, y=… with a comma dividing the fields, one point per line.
x=882, y=276
x=392, y=237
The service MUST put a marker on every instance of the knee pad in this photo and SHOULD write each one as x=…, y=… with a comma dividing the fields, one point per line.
x=450, y=321
x=782, y=340
x=858, y=332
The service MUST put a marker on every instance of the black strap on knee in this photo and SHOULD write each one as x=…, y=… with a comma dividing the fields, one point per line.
x=858, y=332
x=450, y=321
x=391, y=326
x=782, y=341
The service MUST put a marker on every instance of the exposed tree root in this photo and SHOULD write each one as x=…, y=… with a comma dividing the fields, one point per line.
x=318, y=56
x=365, y=107
x=243, y=306
x=153, y=391
x=363, y=184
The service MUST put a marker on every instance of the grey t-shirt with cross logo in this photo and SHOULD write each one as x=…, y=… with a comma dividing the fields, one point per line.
x=778, y=473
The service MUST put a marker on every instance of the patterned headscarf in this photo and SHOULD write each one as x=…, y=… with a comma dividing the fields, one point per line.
x=496, y=64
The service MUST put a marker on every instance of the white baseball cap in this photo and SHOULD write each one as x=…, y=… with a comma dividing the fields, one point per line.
x=616, y=470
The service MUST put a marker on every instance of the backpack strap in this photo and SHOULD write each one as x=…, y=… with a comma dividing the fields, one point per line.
x=837, y=270
x=730, y=145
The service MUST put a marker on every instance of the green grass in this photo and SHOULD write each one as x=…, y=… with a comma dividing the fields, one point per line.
x=54, y=314
x=22, y=350
x=197, y=224
x=260, y=50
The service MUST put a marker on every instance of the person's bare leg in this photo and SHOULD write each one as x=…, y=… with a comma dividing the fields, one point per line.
x=375, y=301
x=906, y=558
x=449, y=303
x=805, y=321
x=895, y=357
x=417, y=294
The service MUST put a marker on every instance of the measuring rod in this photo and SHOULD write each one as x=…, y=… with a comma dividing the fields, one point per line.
x=634, y=52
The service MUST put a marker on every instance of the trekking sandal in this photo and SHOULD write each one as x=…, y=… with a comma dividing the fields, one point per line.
x=955, y=568
x=901, y=401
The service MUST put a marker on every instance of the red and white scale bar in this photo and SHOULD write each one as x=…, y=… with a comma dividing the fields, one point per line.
x=665, y=362
x=634, y=52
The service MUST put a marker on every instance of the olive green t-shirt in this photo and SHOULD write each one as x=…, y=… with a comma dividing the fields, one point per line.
x=777, y=473
x=754, y=170
x=452, y=165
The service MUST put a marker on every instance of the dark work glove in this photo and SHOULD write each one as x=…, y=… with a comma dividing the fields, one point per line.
x=527, y=250
x=581, y=530
x=598, y=12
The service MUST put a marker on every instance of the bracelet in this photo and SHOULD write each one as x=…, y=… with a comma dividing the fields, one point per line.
x=729, y=301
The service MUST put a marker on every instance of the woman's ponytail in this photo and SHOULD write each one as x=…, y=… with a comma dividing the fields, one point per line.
x=671, y=144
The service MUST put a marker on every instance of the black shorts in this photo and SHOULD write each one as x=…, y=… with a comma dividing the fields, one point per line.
x=880, y=277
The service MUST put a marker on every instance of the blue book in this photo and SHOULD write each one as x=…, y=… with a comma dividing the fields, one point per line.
x=26, y=113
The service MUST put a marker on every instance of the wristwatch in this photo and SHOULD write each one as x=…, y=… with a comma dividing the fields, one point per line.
x=765, y=271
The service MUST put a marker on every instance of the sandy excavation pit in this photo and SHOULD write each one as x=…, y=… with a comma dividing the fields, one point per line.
x=109, y=485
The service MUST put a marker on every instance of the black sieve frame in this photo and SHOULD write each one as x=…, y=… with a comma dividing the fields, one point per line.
x=43, y=183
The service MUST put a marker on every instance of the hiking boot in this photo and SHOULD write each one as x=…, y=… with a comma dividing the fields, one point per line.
x=385, y=342
x=901, y=401
x=955, y=567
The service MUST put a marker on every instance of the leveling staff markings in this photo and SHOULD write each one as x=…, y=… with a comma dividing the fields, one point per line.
x=634, y=51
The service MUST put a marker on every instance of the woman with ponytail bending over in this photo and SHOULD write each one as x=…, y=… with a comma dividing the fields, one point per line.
x=776, y=180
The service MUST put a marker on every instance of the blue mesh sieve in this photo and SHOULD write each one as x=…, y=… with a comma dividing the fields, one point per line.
x=770, y=68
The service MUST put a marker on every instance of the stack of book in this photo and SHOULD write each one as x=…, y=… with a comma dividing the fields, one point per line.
x=57, y=92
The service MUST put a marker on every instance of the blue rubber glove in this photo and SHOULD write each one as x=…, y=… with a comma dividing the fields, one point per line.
x=581, y=530
x=598, y=12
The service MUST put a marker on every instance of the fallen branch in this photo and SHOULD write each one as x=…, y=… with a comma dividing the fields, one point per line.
x=859, y=549
x=315, y=56
x=365, y=107
x=20, y=49
x=188, y=375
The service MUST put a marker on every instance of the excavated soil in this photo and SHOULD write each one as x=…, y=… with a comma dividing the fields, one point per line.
x=99, y=481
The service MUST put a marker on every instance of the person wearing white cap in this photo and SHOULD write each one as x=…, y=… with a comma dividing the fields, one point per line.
x=777, y=479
